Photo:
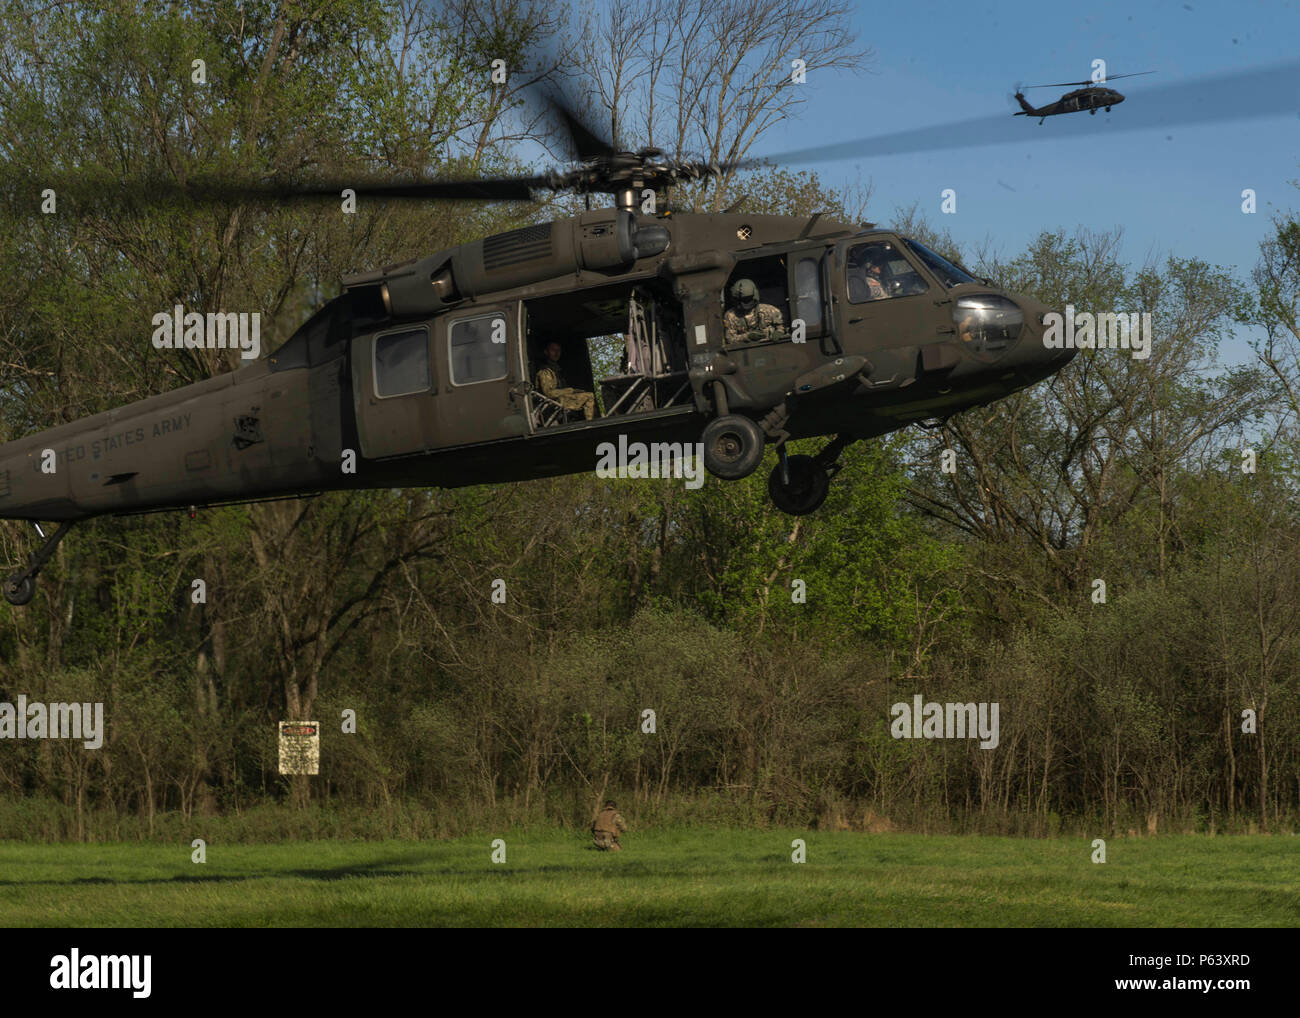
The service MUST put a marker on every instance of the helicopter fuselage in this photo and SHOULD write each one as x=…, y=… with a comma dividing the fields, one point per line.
x=423, y=374
x=1091, y=99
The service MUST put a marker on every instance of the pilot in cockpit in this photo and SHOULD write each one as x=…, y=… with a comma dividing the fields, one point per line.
x=865, y=275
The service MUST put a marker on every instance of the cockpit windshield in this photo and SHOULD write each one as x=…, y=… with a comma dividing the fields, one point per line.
x=949, y=275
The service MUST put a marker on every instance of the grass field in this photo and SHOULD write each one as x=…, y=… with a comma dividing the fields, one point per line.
x=687, y=877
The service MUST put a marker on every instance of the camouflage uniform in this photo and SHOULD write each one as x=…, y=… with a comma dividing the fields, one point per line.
x=863, y=286
x=606, y=828
x=551, y=382
x=763, y=323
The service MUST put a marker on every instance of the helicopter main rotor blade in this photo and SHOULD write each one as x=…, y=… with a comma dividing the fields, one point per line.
x=1059, y=84
x=201, y=190
x=500, y=189
x=585, y=141
x=1237, y=95
x=1131, y=74
x=1240, y=95
x=1112, y=77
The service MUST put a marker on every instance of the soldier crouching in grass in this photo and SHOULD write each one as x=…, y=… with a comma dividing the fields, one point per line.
x=607, y=826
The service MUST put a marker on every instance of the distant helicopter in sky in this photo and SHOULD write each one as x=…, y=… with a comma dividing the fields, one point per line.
x=1094, y=96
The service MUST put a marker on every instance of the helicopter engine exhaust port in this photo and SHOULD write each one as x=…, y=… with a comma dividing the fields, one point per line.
x=733, y=447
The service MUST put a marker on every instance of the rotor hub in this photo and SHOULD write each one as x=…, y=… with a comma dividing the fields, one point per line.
x=625, y=175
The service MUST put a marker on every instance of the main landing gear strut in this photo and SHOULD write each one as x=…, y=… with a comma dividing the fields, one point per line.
x=19, y=588
x=733, y=448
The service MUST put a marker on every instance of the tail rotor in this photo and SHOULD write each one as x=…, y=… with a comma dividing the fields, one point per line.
x=1017, y=101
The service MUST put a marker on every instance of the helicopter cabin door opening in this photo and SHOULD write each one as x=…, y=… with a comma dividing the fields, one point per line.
x=769, y=362
x=623, y=343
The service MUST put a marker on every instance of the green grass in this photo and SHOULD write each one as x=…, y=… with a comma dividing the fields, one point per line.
x=684, y=877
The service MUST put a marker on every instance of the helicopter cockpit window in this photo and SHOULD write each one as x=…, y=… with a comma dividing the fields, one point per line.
x=402, y=363
x=877, y=270
x=478, y=349
x=948, y=274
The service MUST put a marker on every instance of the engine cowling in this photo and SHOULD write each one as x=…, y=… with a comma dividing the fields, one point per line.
x=598, y=240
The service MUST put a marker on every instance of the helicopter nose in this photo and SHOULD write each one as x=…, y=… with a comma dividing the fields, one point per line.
x=1034, y=357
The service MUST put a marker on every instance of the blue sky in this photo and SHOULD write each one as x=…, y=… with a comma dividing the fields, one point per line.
x=1174, y=191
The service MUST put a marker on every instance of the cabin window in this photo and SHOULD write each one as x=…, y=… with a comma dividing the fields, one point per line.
x=402, y=363
x=478, y=349
x=808, y=293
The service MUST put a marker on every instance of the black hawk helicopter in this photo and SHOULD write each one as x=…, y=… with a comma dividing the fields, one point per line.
x=1095, y=96
x=422, y=374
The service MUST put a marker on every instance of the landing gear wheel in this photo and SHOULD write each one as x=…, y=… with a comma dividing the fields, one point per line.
x=733, y=447
x=807, y=489
x=18, y=589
